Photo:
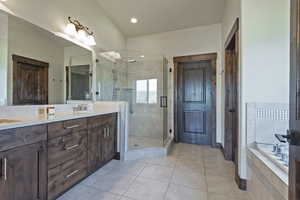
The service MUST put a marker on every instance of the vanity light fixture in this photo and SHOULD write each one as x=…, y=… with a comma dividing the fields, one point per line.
x=82, y=33
x=134, y=20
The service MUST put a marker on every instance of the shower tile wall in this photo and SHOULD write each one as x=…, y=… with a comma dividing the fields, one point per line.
x=146, y=119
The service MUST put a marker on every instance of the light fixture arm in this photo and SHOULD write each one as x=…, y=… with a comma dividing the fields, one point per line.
x=79, y=26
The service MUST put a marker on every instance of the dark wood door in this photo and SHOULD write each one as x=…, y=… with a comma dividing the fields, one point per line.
x=24, y=173
x=194, y=102
x=231, y=105
x=294, y=134
x=30, y=81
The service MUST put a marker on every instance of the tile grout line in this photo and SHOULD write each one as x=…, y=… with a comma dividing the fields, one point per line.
x=170, y=181
x=205, y=175
x=138, y=174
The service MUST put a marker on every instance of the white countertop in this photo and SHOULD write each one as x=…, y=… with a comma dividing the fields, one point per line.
x=24, y=121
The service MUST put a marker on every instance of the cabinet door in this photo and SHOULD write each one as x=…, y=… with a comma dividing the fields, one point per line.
x=109, y=147
x=95, y=156
x=24, y=173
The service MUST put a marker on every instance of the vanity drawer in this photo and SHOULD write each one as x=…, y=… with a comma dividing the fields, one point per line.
x=101, y=120
x=66, y=127
x=13, y=138
x=63, y=177
x=67, y=147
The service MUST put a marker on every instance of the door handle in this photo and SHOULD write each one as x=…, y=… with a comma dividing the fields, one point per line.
x=163, y=101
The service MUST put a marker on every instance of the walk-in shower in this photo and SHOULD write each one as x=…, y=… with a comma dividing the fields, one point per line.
x=141, y=80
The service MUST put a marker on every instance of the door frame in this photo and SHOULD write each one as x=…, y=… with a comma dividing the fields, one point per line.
x=40, y=64
x=234, y=35
x=212, y=58
x=228, y=150
x=293, y=132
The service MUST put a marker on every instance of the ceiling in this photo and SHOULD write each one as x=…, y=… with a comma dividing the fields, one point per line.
x=156, y=16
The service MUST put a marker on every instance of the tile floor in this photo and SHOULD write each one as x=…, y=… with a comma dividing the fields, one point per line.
x=190, y=173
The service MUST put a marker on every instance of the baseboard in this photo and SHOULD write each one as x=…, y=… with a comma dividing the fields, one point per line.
x=220, y=146
x=242, y=183
x=117, y=156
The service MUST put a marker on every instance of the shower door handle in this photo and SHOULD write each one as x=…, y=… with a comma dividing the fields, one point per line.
x=163, y=101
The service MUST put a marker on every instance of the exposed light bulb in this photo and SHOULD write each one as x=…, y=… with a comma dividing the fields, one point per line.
x=134, y=20
x=90, y=40
x=70, y=29
x=81, y=35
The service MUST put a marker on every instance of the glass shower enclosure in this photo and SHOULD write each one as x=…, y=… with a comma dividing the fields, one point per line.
x=141, y=80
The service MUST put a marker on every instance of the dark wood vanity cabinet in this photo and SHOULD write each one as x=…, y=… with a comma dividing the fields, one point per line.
x=109, y=144
x=42, y=162
x=23, y=166
x=102, y=137
x=24, y=173
x=67, y=155
x=77, y=148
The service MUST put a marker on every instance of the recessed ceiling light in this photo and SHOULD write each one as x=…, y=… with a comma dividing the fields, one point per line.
x=142, y=56
x=134, y=20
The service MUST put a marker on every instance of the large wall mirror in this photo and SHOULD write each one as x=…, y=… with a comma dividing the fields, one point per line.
x=38, y=67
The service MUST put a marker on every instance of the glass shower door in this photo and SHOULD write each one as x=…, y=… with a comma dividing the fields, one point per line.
x=142, y=82
x=146, y=121
x=164, y=103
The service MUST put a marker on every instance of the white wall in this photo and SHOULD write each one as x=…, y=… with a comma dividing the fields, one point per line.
x=232, y=10
x=52, y=15
x=25, y=39
x=265, y=38
x=199, y=40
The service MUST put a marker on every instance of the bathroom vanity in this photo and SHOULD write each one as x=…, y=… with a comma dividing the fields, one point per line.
x=45, y=160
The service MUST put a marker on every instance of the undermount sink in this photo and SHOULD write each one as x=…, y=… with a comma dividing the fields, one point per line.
x=7, y=121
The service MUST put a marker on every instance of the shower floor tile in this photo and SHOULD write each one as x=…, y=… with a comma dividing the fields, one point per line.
x=144, y=142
